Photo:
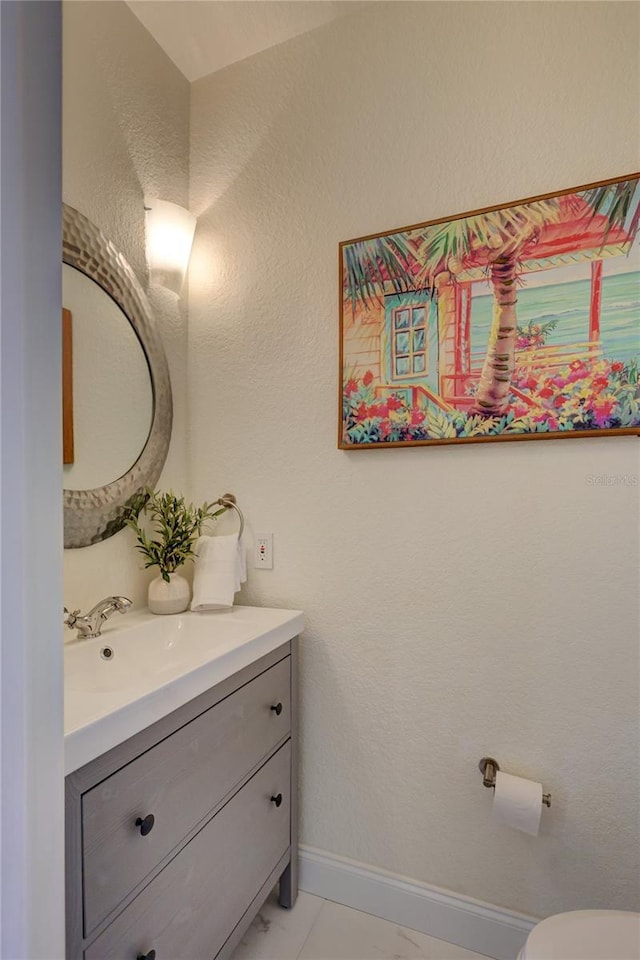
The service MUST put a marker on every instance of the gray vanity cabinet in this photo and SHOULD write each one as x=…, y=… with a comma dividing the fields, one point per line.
x=175, y=837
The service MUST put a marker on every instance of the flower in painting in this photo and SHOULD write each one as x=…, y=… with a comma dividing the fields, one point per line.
x=351, y=387
x=521, y=410
x=576, y=396
x=372, y=419
x=384, y=429
x=380, y=410
x=603, y=394
x=603, y=409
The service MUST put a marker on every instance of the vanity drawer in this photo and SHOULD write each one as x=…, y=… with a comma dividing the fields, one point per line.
x=178, y=781
x=190, y=909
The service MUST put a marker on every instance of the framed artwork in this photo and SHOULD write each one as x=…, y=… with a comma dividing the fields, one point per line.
x=67, y=388
x=513, y=322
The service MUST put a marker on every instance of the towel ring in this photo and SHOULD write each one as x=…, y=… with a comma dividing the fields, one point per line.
x=228, y=501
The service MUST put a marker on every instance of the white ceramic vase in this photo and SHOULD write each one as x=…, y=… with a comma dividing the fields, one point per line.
x=171, y=597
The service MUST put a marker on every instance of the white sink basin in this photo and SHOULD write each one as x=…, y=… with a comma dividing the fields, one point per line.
x=144, y=666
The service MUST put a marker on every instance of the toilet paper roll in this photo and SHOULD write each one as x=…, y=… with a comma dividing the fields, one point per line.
x=517, y=802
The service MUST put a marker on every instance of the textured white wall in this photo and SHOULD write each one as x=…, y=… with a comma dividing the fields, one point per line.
x=460, y=600
x=125, y=136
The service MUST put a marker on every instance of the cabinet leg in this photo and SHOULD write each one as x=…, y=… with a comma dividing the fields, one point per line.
x=289, y=885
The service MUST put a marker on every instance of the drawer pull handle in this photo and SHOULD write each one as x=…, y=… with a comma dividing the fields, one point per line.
x=146, y=826
x=147, y=956
x=277, y=709
x=277, y=800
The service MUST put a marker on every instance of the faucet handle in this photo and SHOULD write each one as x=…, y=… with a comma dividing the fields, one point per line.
x=70, y=618
x=121, y=604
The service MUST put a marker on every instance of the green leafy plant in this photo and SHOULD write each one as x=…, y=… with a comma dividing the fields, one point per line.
x=176, y=527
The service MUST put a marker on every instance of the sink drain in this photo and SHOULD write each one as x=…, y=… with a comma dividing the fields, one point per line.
x=107, y=653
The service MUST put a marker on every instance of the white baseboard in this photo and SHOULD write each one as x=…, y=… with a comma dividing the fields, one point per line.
x=439, y=913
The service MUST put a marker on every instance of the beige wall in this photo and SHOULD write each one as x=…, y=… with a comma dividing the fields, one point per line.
x=125, y=136
x=461, y=600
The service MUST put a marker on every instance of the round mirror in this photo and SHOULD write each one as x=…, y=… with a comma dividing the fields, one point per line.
x=122, y=406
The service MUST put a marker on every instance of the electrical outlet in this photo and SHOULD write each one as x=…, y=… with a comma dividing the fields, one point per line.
x=263, y=552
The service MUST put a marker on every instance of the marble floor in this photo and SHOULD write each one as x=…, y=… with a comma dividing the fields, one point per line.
x=318, y=929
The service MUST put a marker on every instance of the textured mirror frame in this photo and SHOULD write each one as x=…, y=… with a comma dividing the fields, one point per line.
x=94, y=515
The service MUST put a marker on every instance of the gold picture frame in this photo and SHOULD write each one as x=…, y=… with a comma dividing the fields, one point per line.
x=519, y=321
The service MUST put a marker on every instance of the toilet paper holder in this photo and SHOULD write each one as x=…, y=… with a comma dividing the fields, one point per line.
x=489, y=767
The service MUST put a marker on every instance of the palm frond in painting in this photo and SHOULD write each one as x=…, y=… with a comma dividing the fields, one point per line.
x=619, y=203
x=369, y=264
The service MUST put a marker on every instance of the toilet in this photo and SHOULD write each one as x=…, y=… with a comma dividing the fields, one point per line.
x=585, y=935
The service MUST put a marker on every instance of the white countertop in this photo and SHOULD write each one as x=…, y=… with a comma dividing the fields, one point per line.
x=157, y=664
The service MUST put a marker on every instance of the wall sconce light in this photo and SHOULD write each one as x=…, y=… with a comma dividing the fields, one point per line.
x=170, y=230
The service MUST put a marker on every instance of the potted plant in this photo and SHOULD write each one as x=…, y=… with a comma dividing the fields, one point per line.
x=176, y=526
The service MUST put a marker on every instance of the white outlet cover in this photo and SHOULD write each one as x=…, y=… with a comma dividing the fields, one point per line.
x=263, y=551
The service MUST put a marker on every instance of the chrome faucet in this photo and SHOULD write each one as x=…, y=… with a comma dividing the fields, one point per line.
x=90, y=624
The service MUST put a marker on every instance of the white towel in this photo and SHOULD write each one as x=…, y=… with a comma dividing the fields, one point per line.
x=221, y=566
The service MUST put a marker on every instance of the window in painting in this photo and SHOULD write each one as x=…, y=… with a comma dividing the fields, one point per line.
x=409, y=342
